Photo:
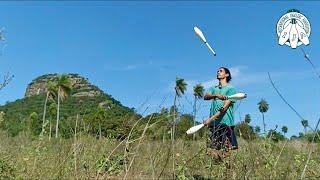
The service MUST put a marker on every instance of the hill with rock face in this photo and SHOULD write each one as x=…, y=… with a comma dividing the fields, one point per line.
x=81, y=86
x=85, y=102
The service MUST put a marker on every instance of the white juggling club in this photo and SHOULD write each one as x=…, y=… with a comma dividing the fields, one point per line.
x=237, y=96
x=194, y=129
x=201, y=36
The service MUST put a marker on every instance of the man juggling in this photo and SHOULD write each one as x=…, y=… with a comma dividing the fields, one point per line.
x=221, y=120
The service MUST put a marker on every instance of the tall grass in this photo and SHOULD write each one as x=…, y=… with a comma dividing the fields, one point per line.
x=88, y=157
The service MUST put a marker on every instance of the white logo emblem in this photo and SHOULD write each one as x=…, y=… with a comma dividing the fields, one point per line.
x=293, y=29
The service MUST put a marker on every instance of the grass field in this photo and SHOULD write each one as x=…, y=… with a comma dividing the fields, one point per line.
x=86, y=157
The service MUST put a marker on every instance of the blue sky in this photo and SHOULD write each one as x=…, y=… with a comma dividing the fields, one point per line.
x=135, y=50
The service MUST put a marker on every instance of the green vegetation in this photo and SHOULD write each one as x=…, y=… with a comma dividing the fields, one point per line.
x=23, y=114
x=99, y=138
x=85, y=157
x=17, y=113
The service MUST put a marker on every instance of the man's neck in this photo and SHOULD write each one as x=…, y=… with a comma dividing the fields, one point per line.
x=223, y=82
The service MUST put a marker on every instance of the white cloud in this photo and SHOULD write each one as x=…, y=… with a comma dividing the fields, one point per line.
x=124, y=68
x=130, y=67
x=209, y=83
x=235, y=71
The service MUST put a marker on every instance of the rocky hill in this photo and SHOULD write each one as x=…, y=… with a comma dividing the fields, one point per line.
x=81, y=86
x=84, y=102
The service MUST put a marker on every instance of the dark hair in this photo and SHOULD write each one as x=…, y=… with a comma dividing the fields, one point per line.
x=228, y=72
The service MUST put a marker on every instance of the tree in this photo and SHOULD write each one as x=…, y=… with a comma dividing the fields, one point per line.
x=275, y=136
x=284, y=129
x=99, y=116
x=158, y=127
x=51, y=94
x=180, y=88
x=64, y=87
x=247, y=118
x=52, y=113
x=186, y=121
x=34, y=124
x=257, y=129
x=305, y=124
x=198, y=92
x=263, y=108
x=293, y=137
x=301, y=135
x=246, y=131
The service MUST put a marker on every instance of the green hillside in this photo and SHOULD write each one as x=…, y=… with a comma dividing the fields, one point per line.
x=17, y=114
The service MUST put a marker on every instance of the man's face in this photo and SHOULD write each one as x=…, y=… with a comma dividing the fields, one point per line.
x=221, y=74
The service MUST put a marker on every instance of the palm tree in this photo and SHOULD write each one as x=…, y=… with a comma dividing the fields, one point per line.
x=52, y=113
x=180, y=88
x=51, y=94
x=64, y=87
x=198, y=92
x=263, y=108
x=247, y=118
x=284, y=129
x=305, y=124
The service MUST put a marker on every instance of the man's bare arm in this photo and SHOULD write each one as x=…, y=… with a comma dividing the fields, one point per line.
x=209, y=96
x=226, y=105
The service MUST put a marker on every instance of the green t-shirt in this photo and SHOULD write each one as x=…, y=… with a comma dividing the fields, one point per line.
x=216, y=104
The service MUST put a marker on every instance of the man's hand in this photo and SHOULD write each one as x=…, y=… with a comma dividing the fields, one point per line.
x=207, y=122
x=221, y=97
